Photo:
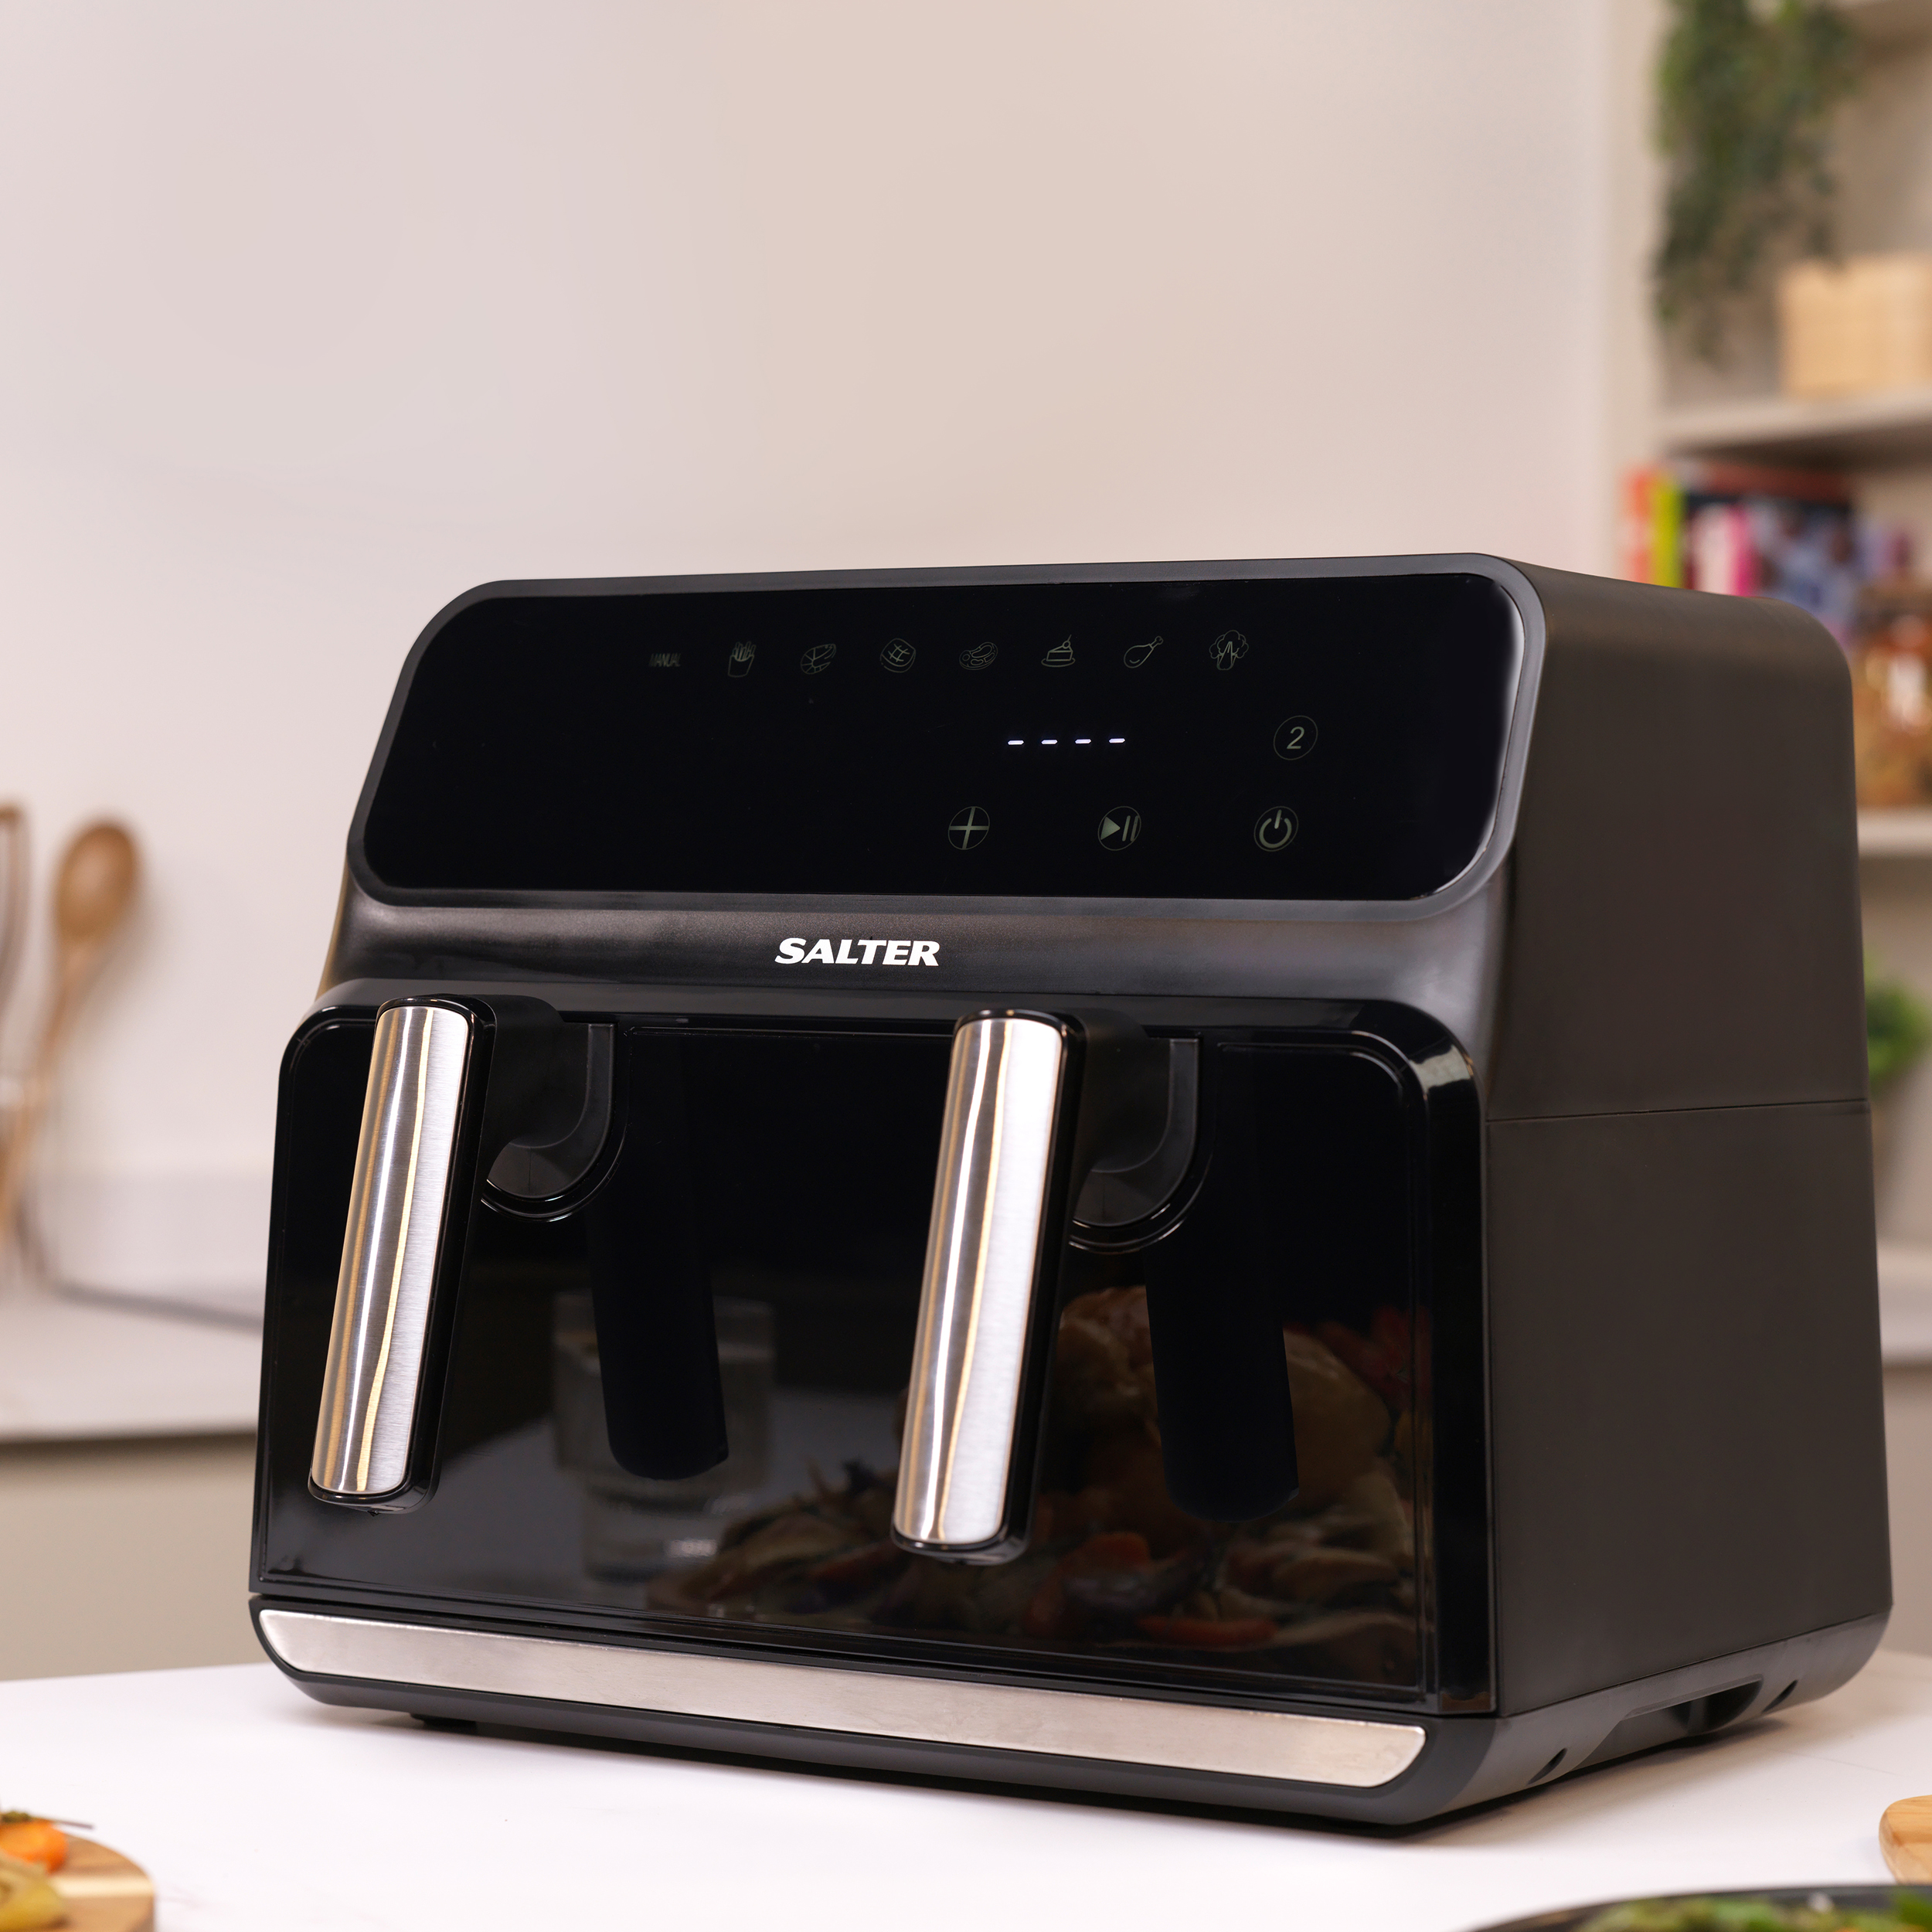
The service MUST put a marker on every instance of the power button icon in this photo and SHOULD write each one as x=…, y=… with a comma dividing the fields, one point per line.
x=1274, y=828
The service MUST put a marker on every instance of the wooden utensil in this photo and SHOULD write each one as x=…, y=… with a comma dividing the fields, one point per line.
x=92, y=890
x=1905, y=1837
x=13, y=896
x=13, y=933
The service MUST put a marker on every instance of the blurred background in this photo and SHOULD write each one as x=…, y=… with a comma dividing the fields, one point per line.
x=310, y=321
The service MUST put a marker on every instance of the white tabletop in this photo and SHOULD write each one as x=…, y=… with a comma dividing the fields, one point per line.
x=254, y=1808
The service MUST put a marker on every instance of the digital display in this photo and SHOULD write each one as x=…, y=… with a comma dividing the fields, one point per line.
x=1257, y=739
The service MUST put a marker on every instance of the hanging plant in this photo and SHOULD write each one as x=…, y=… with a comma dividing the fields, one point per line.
x=1745, y=90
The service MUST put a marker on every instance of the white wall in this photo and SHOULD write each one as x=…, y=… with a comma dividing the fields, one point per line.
x=311, y=318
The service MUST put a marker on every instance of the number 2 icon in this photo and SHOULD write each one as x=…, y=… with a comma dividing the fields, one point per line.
x=1294, y=737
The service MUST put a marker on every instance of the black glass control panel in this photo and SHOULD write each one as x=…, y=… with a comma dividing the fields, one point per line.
x=1309, y=738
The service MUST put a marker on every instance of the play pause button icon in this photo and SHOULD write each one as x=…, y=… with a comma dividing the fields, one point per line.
x=1119, y=828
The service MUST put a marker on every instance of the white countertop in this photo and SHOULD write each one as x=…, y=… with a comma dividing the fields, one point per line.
x=73, y=1370
x=253, y=1807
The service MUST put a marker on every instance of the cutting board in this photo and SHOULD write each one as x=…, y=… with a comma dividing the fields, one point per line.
x=1905, y=1837
x=104, y=1891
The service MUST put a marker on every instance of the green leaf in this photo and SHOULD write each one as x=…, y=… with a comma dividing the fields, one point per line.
x=1898, y=1028
x=1745, y=95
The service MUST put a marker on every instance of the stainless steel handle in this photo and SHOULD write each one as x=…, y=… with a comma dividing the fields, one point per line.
x=984, y=1259
x=396, y=1214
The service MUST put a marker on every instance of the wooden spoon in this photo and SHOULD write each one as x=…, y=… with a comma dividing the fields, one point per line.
x=92, y=890
x=13, y=896
x=1905, y=1837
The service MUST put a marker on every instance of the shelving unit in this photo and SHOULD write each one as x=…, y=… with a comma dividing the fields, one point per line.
x=1896, y=835
x=1886, y=430
x=1890, y=427
x=1905, y=1303
x=1896, y=886
x=1884, y=22
x=1882, y=443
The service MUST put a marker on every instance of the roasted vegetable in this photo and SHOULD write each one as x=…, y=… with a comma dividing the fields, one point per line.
x=1324, y=1587
x=1340, y=1423
x=38, y=1840
x=27, y=1900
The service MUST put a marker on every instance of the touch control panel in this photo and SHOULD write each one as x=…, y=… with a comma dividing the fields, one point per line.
x=1325, y=738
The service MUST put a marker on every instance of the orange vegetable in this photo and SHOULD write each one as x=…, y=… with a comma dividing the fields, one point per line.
x=33, y=1839
x=858, y=1566
x=1049, y=1614
x=1046, y=1612
x=1209, y=1633
x=1112, y=1549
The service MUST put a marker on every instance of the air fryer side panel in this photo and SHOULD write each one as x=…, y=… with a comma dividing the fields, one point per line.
x=1689, y=1444
x=1684, y=931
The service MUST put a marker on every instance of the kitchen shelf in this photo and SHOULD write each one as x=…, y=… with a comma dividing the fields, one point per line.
x=1904, y=833
x=1886, y=426
x=1905, y=1303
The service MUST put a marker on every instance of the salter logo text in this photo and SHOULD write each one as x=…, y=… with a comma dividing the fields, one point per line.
x=870, y=952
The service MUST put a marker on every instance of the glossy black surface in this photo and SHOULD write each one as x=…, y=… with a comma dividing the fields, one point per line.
x=1334, y=738
x=784, y=1176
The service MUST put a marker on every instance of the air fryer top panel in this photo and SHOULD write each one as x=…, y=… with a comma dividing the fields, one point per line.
x=1298, y=739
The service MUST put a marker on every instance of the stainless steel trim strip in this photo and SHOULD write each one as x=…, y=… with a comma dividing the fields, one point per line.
x=389, y=1250
x=982, y=1255
x=1358, y=1752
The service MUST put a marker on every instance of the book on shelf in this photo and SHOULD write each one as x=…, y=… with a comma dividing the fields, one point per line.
x=1743, y=530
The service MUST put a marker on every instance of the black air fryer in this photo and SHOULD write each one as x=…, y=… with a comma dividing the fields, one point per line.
x=1245, y=1183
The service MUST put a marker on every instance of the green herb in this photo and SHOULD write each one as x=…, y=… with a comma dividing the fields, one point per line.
x=1898, y=1028
x=1910, y=1912
x=1745, y=94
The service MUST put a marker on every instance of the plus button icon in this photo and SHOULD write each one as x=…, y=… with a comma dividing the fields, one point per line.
x=969, y=826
